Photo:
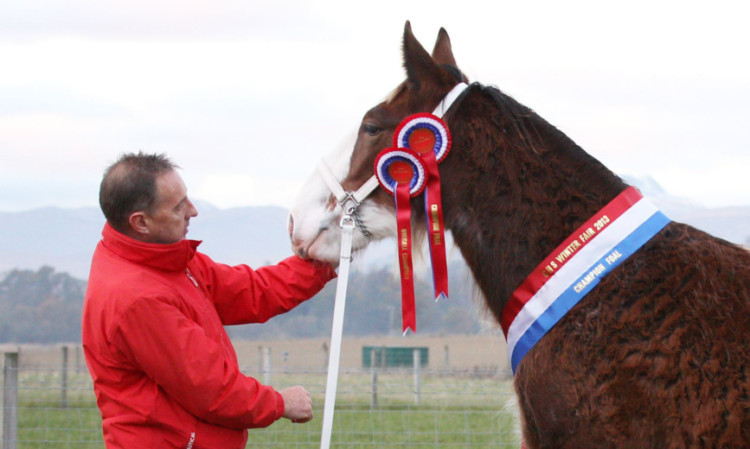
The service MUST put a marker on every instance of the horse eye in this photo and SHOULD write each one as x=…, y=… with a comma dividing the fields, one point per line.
x=371, y=130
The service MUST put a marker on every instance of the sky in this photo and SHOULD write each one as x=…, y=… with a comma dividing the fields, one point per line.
x=247, y=95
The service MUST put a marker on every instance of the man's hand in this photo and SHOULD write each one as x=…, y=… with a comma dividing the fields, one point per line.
x=297, y=404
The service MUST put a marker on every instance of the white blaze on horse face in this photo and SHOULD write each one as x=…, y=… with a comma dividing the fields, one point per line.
x=314, y=224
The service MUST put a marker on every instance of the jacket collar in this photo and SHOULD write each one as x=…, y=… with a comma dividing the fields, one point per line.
x=164, y=256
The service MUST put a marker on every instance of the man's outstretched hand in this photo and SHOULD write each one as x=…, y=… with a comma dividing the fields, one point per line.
x=297, y=404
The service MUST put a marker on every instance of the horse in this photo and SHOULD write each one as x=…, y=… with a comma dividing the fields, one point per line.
x=655, y=355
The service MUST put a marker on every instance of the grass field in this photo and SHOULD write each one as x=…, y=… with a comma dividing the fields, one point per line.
x=462, y=406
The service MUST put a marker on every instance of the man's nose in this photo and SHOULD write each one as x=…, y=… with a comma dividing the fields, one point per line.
x=192, y=211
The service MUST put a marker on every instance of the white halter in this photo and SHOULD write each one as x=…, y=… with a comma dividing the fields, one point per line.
x=349, y=202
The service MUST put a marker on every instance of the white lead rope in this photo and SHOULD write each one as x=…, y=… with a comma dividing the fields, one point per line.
x=347, y=229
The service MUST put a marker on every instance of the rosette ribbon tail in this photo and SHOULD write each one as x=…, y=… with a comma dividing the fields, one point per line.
x=400, y=171
x=435, y=227
x=403, y=222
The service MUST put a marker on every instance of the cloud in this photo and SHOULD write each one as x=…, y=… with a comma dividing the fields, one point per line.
x=148, y=20
x=720, y=183
x=253, y=93
x=26, y=99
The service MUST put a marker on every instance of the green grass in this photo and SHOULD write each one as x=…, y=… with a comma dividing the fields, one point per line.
x=453, y=412
x=398, y=427
x=43, y=425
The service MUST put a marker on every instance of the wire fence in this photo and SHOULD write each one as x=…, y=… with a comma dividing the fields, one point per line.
x=437, y=402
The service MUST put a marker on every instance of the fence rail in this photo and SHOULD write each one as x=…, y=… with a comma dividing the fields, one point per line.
x=52, y=405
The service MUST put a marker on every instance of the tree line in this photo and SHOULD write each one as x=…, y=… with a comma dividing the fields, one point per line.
x=44, y=306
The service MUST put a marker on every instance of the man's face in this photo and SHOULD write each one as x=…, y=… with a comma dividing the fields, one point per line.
x=169, y=218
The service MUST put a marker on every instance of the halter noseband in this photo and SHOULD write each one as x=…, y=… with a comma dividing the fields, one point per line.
x=350, y=201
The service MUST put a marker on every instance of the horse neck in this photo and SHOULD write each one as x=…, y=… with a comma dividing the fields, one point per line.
x=515, y=188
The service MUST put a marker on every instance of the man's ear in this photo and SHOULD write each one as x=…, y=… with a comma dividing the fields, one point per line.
x=139, y=223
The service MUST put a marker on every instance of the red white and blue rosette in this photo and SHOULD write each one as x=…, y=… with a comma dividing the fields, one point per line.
x=428, y=135
x=396, y=166
x=424, y=132
x=401, y=173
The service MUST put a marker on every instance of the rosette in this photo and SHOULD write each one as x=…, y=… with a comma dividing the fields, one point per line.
x=401, y=173
x=422, y=133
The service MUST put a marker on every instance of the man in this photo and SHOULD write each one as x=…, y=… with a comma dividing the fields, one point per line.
x=165, y=372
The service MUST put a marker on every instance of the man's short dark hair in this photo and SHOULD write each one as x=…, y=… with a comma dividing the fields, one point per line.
x=129, y=185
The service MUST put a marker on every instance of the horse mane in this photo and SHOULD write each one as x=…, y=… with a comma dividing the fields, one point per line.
x=525, y=122
x=521, y=117
x=526, y=131
x=527, y=172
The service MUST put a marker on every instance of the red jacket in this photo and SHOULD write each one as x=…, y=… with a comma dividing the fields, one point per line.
x=165, y=373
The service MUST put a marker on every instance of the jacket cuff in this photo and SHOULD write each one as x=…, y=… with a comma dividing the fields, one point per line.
x=279, y=405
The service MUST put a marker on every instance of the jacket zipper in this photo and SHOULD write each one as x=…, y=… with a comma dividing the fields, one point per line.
x=190, y=276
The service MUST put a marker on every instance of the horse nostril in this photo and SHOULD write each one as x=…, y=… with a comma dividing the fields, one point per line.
x=290, y=225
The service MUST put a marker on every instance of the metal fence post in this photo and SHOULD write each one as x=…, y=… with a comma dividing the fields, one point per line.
x=267, y=365
x=64, y=378
x=417, y=376
x=78, y=358
x=373, y=378
x=260, y=360
x=10, y=401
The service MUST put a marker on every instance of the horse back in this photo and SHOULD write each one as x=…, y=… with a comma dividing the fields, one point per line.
x=655, y=356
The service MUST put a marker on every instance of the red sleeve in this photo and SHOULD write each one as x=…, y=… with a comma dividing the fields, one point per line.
x=242, y=295
x=193, y=369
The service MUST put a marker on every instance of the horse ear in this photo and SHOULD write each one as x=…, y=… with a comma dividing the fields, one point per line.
x=417, y=62
x=443, y=52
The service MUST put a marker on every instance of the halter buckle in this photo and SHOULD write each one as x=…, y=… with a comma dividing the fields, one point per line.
x=347, y=221
x=349, y=204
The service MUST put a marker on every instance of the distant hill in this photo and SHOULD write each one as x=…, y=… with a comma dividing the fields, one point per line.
x=65, y=238
x=40, y=306
x=60, y=238
x=729, y=223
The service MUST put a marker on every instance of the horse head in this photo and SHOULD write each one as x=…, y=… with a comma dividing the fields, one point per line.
x=314, y=219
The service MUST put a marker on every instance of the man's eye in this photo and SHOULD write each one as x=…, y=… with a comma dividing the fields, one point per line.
x=371, y=130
